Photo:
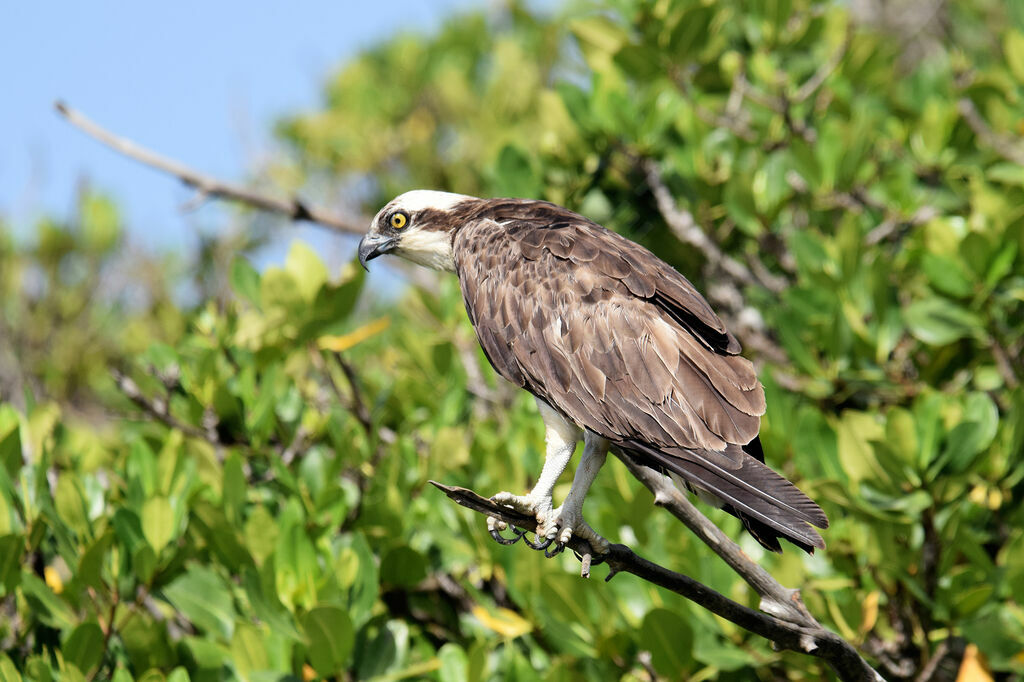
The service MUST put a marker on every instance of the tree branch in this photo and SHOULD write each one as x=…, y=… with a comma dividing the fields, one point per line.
x=207, y=186
x=815, y=641
x=686, y=229
x=1003, y=145
x=818, y=78
x=159, y=409
x=727, y=274
x=777, y=600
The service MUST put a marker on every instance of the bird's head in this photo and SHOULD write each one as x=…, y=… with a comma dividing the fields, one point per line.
x=418, y=226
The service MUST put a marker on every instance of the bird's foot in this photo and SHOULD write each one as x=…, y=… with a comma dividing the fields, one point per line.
x=532, y=505
x=535, y=506
x=562, y=524
x=554, y=526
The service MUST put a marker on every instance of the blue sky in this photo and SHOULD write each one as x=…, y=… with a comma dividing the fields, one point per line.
x=199, y=81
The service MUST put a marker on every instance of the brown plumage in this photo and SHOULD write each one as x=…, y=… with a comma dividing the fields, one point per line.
x=620, y=344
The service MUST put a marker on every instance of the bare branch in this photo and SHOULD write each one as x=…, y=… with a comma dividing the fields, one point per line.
x=892, y=225
x=686, y=229
x=815, y=641
x=818, y=78
x=1007, y=147
x=159, y=409
x=1003, y=362
x=777, y=600
x=207, y=186
x=727, y=273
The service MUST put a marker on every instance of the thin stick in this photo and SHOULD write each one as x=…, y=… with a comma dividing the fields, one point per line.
x=207, y=186
x=1004, y=145
x=775, y=599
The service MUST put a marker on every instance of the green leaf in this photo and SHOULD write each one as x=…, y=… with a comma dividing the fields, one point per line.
x=90, y=567
x=946, y=275
x=308, y=271
x=8, y=673
x=46, y=606
x=179, y=674
x=101, y=224
x=333, y=305
x=938, y=322
x=11, y=548
x=249, y=650
x=669, y=638
x=514, y=174
x=971, y=436
x=234, y=488
x=204, y=599
x=1013, y=49
x=331, y=637
x=454, y=664
x=691, y=32
x=901, y=435
x=403, y=567
x=855, y=431
x=972, y=599
x=599, y=38
x=157, y=522
x=144, y=562
x=260, y=533
x=10, y=441
x=259, y=589
x=84, y=647
x=71, y=505
x=245, y=280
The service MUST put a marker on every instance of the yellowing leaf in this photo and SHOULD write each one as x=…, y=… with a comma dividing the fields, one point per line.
x=505, y=622
x=973, y=668
x=53, y=580
x=346, y=341
x=870, y=612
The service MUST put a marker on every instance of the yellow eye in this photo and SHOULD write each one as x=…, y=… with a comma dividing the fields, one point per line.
x=398, y=220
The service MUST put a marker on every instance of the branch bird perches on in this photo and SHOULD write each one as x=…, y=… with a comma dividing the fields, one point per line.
x=793, y=628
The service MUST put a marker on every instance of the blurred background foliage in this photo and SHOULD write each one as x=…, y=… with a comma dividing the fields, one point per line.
x=209, y=472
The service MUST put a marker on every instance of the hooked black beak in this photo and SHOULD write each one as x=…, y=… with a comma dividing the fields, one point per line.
x=373, y=245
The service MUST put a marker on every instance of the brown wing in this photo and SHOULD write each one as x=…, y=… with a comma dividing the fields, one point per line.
x=623, y=345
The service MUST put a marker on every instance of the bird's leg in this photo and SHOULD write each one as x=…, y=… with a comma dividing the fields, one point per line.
x=567, y=520
x=560, y=438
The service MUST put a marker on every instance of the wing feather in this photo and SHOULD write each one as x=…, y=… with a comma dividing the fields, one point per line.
x=623, y=345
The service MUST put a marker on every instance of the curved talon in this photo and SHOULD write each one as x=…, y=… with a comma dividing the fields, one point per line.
x=502, y=540
x=549, y=553
x=538, y=545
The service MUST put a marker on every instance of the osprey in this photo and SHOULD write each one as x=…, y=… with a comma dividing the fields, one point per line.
x=615, y=345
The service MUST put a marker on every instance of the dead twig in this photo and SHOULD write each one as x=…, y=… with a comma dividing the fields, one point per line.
x=1004, y=145
x=159, y=409
x=818, y=78
x=210, y=187
x=686, y=229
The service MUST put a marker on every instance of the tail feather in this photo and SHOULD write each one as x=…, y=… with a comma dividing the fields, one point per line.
x=769, y=506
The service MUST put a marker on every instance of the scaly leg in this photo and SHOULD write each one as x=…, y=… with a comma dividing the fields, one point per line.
x=560, y=438
x=567, y=520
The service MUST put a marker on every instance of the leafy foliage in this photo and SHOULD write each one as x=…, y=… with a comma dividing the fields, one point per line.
x=237, y=489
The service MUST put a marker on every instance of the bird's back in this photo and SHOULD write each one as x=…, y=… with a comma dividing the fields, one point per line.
x=623, y=345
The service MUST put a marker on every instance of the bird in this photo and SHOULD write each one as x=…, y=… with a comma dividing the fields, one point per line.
x=617, y=348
